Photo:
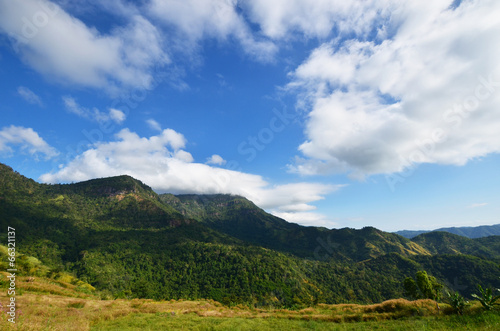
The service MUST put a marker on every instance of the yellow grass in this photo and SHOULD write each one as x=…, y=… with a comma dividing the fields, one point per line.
x=43, y=304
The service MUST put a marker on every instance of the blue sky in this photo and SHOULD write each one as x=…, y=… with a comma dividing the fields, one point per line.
x=327, y=113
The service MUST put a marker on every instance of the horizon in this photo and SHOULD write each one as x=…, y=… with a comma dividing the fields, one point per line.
x=324, y=114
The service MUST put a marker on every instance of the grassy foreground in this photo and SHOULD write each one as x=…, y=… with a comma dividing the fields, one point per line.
x=44, y=304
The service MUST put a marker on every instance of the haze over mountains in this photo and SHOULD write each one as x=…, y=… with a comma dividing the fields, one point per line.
x=466, y=231
x=126, y=240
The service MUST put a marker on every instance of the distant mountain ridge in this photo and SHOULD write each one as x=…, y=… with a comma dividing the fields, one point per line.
x=467, y=231
x=124, y=239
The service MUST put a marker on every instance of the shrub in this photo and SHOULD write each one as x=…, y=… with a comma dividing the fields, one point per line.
x=457, y=303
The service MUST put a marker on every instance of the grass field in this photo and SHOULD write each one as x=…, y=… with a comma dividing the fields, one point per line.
x=43, y=304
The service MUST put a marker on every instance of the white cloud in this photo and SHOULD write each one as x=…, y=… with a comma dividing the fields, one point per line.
x=28, y=141
x=280, y=19
x=306, y=219
x=62, y=47
x=94, y=114
x=161, y=162
x=29, y=96
x=294, y=197
x=426, y=94
x=216, y=160
x=117, y=115
x=198, y=19
x=73, y=107
x=154, y=125
x=183, y=156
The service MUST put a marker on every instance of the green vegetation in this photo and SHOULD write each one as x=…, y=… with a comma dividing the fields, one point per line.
x=423, y=287
x=447, y=243
x=240, y=218
x=487, y=299
x=31, y=268
x=118, y=236
x=94, y=255
x=457, y=303
x=195, y=322
x=44, y=304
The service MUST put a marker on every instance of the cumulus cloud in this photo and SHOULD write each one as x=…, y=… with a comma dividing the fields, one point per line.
x=29, y=96
x=62, y=47
x=219, y=19
x=28, y=141
x=216, y=159
x=427, y=93
x=93, y=114
x=162, y=162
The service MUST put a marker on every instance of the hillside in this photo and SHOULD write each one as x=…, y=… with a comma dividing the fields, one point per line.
x=467, y=231
x=447, y=243
x=240, y=218
x=108, y=203
x=50, y=299
x=122, y=238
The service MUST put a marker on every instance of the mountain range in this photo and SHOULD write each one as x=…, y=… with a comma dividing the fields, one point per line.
x=127, y=241
x=466, y=231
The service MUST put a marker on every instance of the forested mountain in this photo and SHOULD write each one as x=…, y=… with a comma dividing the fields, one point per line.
x=122, y=238
x=240, y=218
x=467, y=231
x=437, y=242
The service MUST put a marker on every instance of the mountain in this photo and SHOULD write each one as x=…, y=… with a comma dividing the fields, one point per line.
x=116, y=202
x=469, y=232
x=119, y=236
x=437, y=242
x=240, y=218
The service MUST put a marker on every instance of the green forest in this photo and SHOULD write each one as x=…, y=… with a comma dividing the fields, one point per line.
x=120, y=237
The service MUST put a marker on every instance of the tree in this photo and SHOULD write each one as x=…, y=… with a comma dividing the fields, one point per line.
x=411, y=288
x=424, y=287
x=487, y=299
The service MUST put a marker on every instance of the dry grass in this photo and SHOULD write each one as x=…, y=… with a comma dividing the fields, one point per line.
x=46, y=305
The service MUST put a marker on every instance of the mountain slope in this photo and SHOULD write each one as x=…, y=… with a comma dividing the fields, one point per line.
x=116, y=202
x=448, y=243
x=240, y=218
x=491, y=242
